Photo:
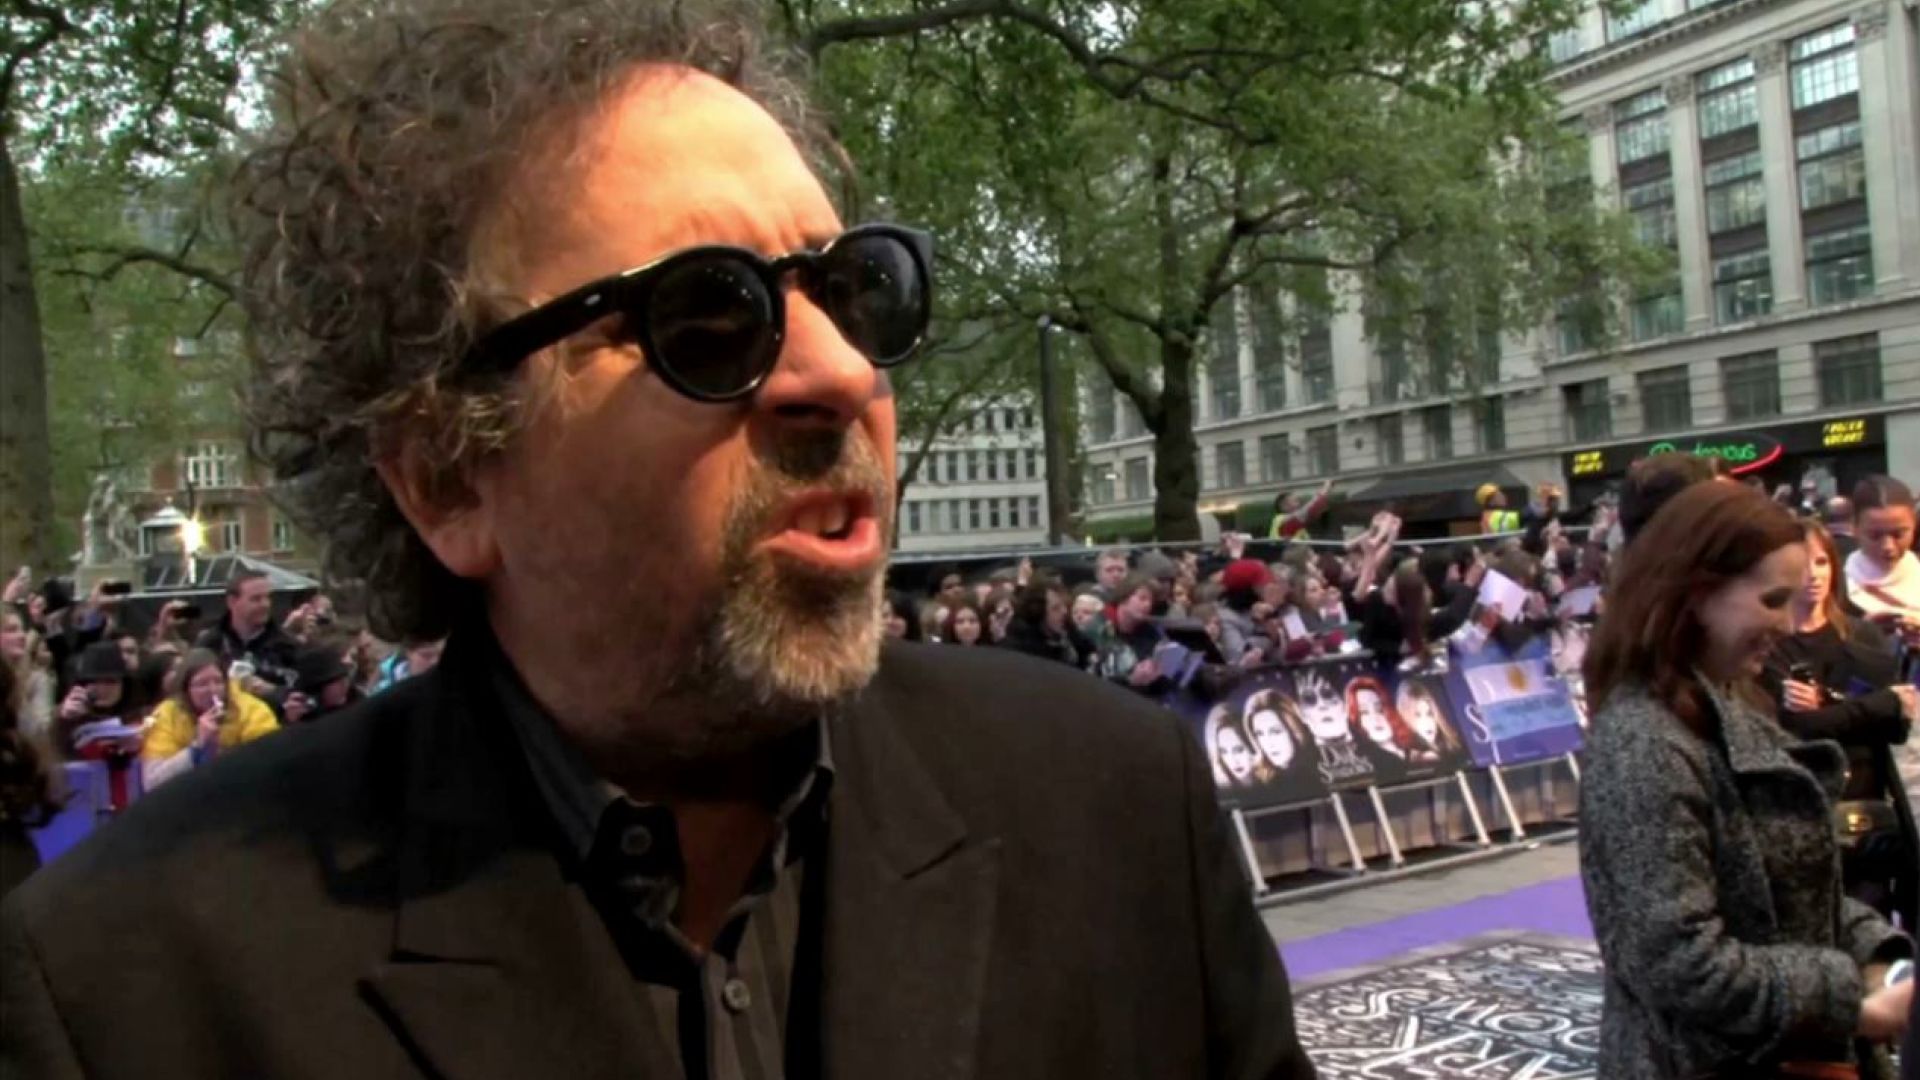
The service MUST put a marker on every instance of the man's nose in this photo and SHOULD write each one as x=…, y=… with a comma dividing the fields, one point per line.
x=820, y=378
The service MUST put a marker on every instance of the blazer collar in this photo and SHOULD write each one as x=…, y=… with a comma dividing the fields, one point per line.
x=911, y=894
x=497, y=959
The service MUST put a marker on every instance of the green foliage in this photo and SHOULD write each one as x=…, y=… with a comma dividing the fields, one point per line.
x=1123, y=168
x=119, y=394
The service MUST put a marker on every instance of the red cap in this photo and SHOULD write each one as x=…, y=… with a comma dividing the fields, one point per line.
x=1245, y=574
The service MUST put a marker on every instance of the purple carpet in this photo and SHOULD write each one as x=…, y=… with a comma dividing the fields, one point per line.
x=1552, y=907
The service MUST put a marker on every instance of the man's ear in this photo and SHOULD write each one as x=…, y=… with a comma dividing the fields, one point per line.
x=450, y=516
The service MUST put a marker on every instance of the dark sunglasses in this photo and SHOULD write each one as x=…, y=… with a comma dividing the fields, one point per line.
x=711, y=320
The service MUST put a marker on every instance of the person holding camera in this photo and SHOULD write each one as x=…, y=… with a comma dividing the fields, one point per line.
x=247, y=633
x=323, y=684
x=204, y=716
x=1836, y=678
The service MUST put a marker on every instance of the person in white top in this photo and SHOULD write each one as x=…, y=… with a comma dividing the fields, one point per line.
x=1884, y=581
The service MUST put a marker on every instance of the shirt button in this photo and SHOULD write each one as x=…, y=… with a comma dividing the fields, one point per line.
x=737, y=997
x=636, y=841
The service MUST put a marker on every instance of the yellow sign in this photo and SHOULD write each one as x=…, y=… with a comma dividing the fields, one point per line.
x=1843, y=433
x=1588, y=462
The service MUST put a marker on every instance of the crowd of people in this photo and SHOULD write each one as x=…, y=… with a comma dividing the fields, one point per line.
x=86, y=686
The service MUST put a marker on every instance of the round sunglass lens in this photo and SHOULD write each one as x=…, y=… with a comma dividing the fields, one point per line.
x=875, y=291
x=711, y=323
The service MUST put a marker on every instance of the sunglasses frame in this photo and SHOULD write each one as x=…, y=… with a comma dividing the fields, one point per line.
x=505, y=347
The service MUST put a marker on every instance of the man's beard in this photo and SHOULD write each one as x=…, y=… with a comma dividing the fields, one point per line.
x=782, y=642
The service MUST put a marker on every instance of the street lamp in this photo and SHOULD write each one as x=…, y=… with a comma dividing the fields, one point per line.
x=1052, y=437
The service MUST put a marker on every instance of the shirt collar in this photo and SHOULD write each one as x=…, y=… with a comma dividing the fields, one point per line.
x=578, y=798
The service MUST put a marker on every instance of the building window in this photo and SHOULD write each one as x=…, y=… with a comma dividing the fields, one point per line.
x=1438, y=422
x=1033, y=512
x=1100, y=410
x=1640, y=126
x=1103, y=494
x=1825, y=66
x=1666, y=401
x=1658, y=314
x=1269, y=348
x=913, y=518
x=1642, y=16
x=954, y=518
x=976, y=520
x=282, y=533
x=1276, y=459
x=212, y=465
x=1727, y=99
x=1316, y=365
x=1132, y=424
x=1840, y=265
x=1226, y=393
x=1323, y=450
x=1833, y=168
x=1742, y=286
x=993, y=513
x=1736, y=193
x=1139, y=486
x=226, y=534
x=1589, y=411
x=1230, y=465
x=1849, y=370
x=1033, y=464
x=1752, y=386
x=1393, y=447
x=1566, y=44
x=1493, y=424
x=1651, y=205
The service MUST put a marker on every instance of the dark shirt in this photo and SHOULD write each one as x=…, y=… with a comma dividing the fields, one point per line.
x=727, y=1008
x=271, y=651
x=1868, y=718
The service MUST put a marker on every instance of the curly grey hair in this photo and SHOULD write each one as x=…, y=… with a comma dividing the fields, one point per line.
x=399, y=126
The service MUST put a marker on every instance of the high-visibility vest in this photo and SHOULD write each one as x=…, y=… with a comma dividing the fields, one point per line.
x=1498, y=521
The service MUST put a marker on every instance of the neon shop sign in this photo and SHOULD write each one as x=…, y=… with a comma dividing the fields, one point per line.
x=1743, y=454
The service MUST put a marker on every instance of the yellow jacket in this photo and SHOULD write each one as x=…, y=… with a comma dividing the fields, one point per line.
x=173, y=729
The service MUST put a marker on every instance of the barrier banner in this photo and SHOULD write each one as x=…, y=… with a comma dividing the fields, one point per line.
x=1287, y=735
x=1514, y=707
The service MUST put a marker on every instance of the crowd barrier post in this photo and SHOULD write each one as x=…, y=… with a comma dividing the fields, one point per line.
x=1499, y=776
x=1247, y=852
x=1473, y=809
x=1394, y=857
x=1346, y=832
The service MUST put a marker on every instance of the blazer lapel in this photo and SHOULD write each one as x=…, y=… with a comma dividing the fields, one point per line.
x=500, y=966
x=909, y=909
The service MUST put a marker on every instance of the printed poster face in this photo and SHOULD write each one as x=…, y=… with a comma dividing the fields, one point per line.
x=1257, y=744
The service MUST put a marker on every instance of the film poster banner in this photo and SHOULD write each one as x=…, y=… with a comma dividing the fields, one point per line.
x=1517, y=708
x=1296, y=734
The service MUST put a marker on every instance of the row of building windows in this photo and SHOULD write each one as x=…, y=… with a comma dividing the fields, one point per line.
x=981, y=466
x=931, y=516
x=1830, y=179
x=1847, y=371
x=1574, y=41
x=1319, y=454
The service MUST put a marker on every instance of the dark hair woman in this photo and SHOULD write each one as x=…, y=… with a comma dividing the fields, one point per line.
x=965, y=624
x=1884, y=572
x=903, y=617
x=1707, y=845
x=1041, y=626
x=1835, y=679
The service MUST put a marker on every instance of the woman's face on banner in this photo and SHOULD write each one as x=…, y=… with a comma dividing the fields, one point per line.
x=1373, y=717
x=1420, y=713
x=1276, y=743
x=1321, y=707
x=1235, y=757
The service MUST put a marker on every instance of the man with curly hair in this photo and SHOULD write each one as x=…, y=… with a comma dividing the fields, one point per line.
x=565, y=350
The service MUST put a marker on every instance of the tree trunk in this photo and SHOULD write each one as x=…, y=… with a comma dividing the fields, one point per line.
x=26, y=451
x=1176, y=453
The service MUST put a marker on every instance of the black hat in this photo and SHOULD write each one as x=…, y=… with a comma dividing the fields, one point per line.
x=100, y=660
x=314, y=668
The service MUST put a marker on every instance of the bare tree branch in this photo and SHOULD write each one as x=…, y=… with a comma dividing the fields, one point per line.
x=124, y=257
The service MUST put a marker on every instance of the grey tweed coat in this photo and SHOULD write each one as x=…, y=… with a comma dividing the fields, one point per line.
x=1713, y=878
